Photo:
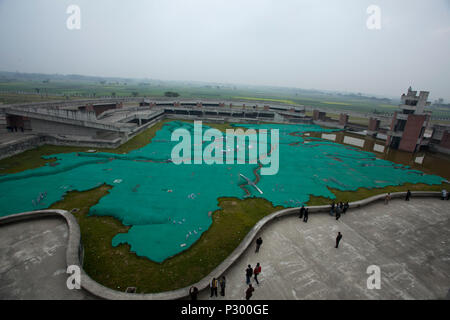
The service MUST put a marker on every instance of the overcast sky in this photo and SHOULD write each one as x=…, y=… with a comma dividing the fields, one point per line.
x=319, y=44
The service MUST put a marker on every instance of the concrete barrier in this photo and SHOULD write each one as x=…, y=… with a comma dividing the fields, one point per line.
x=75, y=251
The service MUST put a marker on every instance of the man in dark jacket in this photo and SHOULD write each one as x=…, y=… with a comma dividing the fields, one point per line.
x=258, y=244
x=302, y=212
x=332, y=208
x=305, y=217
x=408, y=195
x=338, y=212
x=248, y=273
x=346, y=206
x=222, y=286
x=249, y=292
x=338, y=239
x=193, y=292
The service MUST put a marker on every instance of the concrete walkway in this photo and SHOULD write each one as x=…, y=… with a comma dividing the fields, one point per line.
x=33, y=261
x=409, y=241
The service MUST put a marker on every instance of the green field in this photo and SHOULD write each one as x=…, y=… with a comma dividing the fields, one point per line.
x=19, y=88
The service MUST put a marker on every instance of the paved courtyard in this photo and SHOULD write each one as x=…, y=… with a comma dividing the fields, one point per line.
x=409, y=241
x=33, y=261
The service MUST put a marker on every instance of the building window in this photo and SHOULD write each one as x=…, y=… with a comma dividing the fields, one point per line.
x=412, y=103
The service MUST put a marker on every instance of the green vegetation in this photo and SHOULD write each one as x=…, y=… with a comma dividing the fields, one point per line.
x=265, y=100
x=336, y=103
x=16, y=88
x=363, y=193
x=171, y=94
x=10, y=98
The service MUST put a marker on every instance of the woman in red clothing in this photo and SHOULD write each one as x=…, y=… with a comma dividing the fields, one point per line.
x=256, y=272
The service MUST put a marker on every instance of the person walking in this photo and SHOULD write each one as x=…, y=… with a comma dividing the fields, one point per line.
x=249, y=292
x=259, y=242
x=222, y=286
x=408, y=195
x=256, y=272
x=213, y=286
x=193, y=292
x=333, y=205
x=338, y=239
x=346, y=206
x=338, y=213
x=305, y=217
x=387, y=198
x=248, y=273
x=302, y=212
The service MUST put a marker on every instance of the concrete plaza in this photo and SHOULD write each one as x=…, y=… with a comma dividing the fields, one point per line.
x=409, y=241
x=33, y=261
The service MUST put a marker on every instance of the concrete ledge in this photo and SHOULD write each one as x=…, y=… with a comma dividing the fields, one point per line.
x=74, y=247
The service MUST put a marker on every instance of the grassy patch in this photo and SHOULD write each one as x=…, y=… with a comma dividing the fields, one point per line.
x=10, y=98
x=265, y=99
x=337, y=103
x=363, y=193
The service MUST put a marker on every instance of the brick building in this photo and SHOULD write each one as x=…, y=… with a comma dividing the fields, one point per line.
x=408, y=125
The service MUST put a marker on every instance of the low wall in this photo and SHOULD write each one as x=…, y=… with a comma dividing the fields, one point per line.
x=74, y=142
x=19, y=146
x=328, y=124
x=439, y=149
x=74, y=247
x=34, y=141
x=16, y=147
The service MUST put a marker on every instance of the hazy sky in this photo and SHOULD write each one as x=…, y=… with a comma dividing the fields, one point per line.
x=320, y=44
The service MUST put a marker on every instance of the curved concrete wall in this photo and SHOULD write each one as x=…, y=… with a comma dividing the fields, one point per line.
x=74, y=248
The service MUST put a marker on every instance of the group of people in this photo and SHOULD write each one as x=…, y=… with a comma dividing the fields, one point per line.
x=304, y=214
x=388, y=197
x=335, y=210
x=338, y=209
x=215, y=283
x=249, y=272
